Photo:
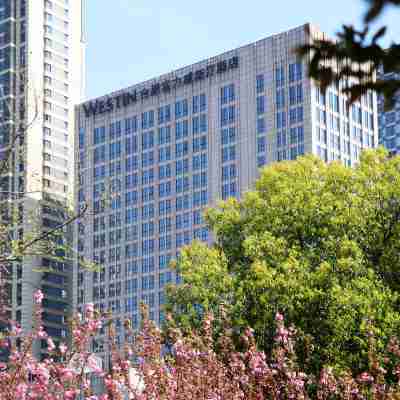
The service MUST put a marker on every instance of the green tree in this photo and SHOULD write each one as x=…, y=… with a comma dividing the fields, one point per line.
x=317, y=242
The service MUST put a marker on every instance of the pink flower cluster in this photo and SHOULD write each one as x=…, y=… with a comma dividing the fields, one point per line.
x=190, y=369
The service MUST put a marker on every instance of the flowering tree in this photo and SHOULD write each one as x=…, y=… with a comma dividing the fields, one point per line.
x=191, y=368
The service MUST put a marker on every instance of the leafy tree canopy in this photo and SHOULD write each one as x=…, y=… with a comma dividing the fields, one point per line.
x=317, y=242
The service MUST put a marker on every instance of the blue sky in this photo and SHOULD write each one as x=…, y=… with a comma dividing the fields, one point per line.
x=133, y=40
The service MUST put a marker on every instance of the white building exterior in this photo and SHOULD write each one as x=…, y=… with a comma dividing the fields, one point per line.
x=41, y=79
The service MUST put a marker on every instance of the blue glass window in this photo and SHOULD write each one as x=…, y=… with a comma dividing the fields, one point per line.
x=228, y=153
x=199, y=162
x=260, y=86
x=148, y=211
x=115, y=130
x=148, y=119
x=131, y=198
x=199, y=124
x=131, y=181
x=148, y=176
x=228, y=172
x=227, y=115
x=164, y=154
x=281, y=119
x=164, y=135
x=164, y=225
x=182, y=166
x=292, y=95
x=164, y=279
x=228, y=135
x=280, y=99
x=203, y=123
x=199, y=144
x=299, y=95
x=199, y=103
x=131, y=125
x=148, y=229
x=198, y=217
x=147, y=194
x=260, y=104
x=131, y=286
x=131, y=215
x=182, y=184
x=295, y=72
x=165, y=243
x=196, y=125
x=261, y=125
x=164, y=171
x=131, y=145
x=99, y=172
x=99, y=135
x=164, y=261
x=81, y=138
x=200, y=180
x=227, y=94
x=99, y=154
x=261, y=144
x=147, y=159
x=181, y=129
x=181, y=109
x=280, y=76
x=147, y=140
x=229, y=190
x=182, y=203
x=131, y=163
x=183, y=221
x=281, y=139
x=164, y=114
x=165, y=207
x=181, y=149
x=148, y=246
x=261, y=160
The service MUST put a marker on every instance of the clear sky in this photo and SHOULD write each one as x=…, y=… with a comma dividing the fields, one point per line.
x=133, y=40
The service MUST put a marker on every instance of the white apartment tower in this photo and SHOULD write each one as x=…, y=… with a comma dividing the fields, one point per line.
x=42, y=64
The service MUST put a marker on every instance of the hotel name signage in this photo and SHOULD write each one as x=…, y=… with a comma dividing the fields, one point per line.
x=166, y=86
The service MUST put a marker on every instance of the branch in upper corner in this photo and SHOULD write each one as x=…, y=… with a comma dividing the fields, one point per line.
x=354, y=60
x=377, y=7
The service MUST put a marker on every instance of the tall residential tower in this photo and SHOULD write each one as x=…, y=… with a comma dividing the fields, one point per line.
x=163, y=150
x=41, y=78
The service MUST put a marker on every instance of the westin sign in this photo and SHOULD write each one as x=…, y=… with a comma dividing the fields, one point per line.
x=125, y=99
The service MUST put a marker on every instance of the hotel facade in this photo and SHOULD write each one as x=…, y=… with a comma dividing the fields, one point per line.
x=152, y=157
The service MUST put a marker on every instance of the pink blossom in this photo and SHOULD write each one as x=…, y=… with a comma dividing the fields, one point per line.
x=21, y=390
x=278, y=317
x=70, y=395
x=67, y=374
x=63, y=348
x=89, y=308
x=192, y=370
x=366, y=378
x=41, y=334
x=50, y=344
x=94, y=365
x=38, y=296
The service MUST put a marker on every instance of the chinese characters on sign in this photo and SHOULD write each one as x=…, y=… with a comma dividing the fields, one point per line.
x=165, y=86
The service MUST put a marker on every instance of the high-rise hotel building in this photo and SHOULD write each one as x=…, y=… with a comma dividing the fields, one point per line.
x=41, y=79
x=153, y=156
